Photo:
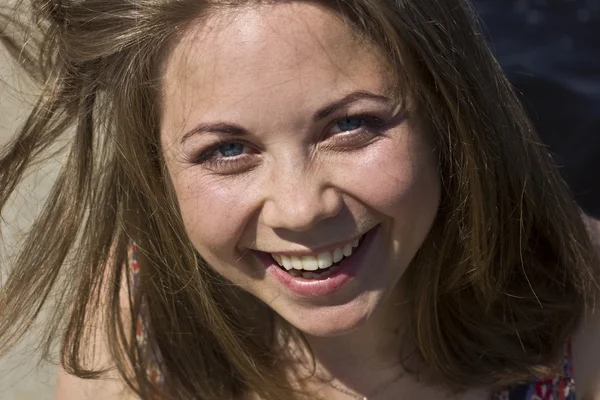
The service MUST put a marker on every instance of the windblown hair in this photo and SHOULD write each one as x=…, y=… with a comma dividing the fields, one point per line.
x=500, y=284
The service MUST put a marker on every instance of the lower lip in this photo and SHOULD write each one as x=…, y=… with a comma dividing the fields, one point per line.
x=347, y=271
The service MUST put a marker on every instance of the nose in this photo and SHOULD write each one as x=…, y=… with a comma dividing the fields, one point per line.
x=297, y=200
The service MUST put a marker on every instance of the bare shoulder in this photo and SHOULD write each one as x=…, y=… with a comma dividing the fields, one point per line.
x=109, y=387
x=586, y=357
x=586, y=343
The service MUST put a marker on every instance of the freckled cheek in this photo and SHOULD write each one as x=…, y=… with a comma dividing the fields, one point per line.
x=215, y=213
x=398, y=184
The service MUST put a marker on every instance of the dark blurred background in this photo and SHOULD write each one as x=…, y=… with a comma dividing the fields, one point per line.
x=550, y=50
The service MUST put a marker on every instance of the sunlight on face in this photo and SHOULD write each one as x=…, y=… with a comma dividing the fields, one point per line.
x=281, y=139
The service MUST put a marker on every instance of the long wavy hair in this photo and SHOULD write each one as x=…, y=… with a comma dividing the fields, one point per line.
x=500, y=284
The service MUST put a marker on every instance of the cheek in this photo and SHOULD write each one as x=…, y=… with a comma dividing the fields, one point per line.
x=215, y=211
x=399, y=179
x=408, y=189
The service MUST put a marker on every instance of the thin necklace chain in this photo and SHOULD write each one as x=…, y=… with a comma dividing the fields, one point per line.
x=361, y=397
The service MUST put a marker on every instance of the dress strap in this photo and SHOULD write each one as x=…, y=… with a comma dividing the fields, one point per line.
x=149, y=352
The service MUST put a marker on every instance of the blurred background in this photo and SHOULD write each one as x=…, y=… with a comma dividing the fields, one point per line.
x=20, y=379
x=550, y=49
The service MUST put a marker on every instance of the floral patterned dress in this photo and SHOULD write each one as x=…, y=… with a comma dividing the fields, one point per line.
x=561, y=387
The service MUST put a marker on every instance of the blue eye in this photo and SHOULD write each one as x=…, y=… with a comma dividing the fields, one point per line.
x=349, y=124
x=230, y=149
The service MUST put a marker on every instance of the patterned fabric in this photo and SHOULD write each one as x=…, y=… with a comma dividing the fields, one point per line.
x=141, y=329
x=561, y=387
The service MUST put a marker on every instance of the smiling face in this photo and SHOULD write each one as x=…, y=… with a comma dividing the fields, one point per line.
x=283, y=143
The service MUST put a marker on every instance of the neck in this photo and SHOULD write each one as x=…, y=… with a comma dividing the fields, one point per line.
x=366, y=358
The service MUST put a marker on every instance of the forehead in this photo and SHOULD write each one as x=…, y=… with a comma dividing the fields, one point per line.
x=276, y=57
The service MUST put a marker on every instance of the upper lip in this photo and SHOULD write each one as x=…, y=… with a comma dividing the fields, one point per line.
x=314, y=251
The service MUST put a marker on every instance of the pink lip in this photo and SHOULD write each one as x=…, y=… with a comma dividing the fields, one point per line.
x=347, y=271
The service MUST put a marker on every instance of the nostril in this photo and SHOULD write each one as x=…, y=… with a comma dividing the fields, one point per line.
x=300, y=207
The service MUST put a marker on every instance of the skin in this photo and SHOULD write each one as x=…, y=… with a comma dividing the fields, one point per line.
x=299, y=184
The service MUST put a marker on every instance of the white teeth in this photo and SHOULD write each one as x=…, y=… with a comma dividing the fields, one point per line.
x=337, y=255
x=286, y=262
x=325, y=260
x=347, y=250
x=296, y=263
x=309, y=263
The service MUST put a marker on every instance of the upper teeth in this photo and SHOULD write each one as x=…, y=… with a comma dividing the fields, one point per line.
x=311, y=263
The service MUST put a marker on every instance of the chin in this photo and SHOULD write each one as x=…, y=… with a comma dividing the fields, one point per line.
x=333, y=320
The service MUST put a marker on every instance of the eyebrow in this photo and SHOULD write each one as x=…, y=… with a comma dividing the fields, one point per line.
x=236, y=130
x=346, y=100
x=216, y=127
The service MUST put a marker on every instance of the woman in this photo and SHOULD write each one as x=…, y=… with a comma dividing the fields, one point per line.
x=269, y=200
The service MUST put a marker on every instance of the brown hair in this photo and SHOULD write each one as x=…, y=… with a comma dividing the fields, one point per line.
x=501, y=282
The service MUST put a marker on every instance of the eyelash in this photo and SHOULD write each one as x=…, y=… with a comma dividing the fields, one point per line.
x=370, y=125
x=207, y=157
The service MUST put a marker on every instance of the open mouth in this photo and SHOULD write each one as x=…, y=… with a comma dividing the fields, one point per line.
x=317, y=267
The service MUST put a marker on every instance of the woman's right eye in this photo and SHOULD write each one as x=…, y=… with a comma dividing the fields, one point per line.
x=226, y=157
x=231, y=149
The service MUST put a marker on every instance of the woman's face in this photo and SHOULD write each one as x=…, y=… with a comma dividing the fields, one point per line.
x=284, y=147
